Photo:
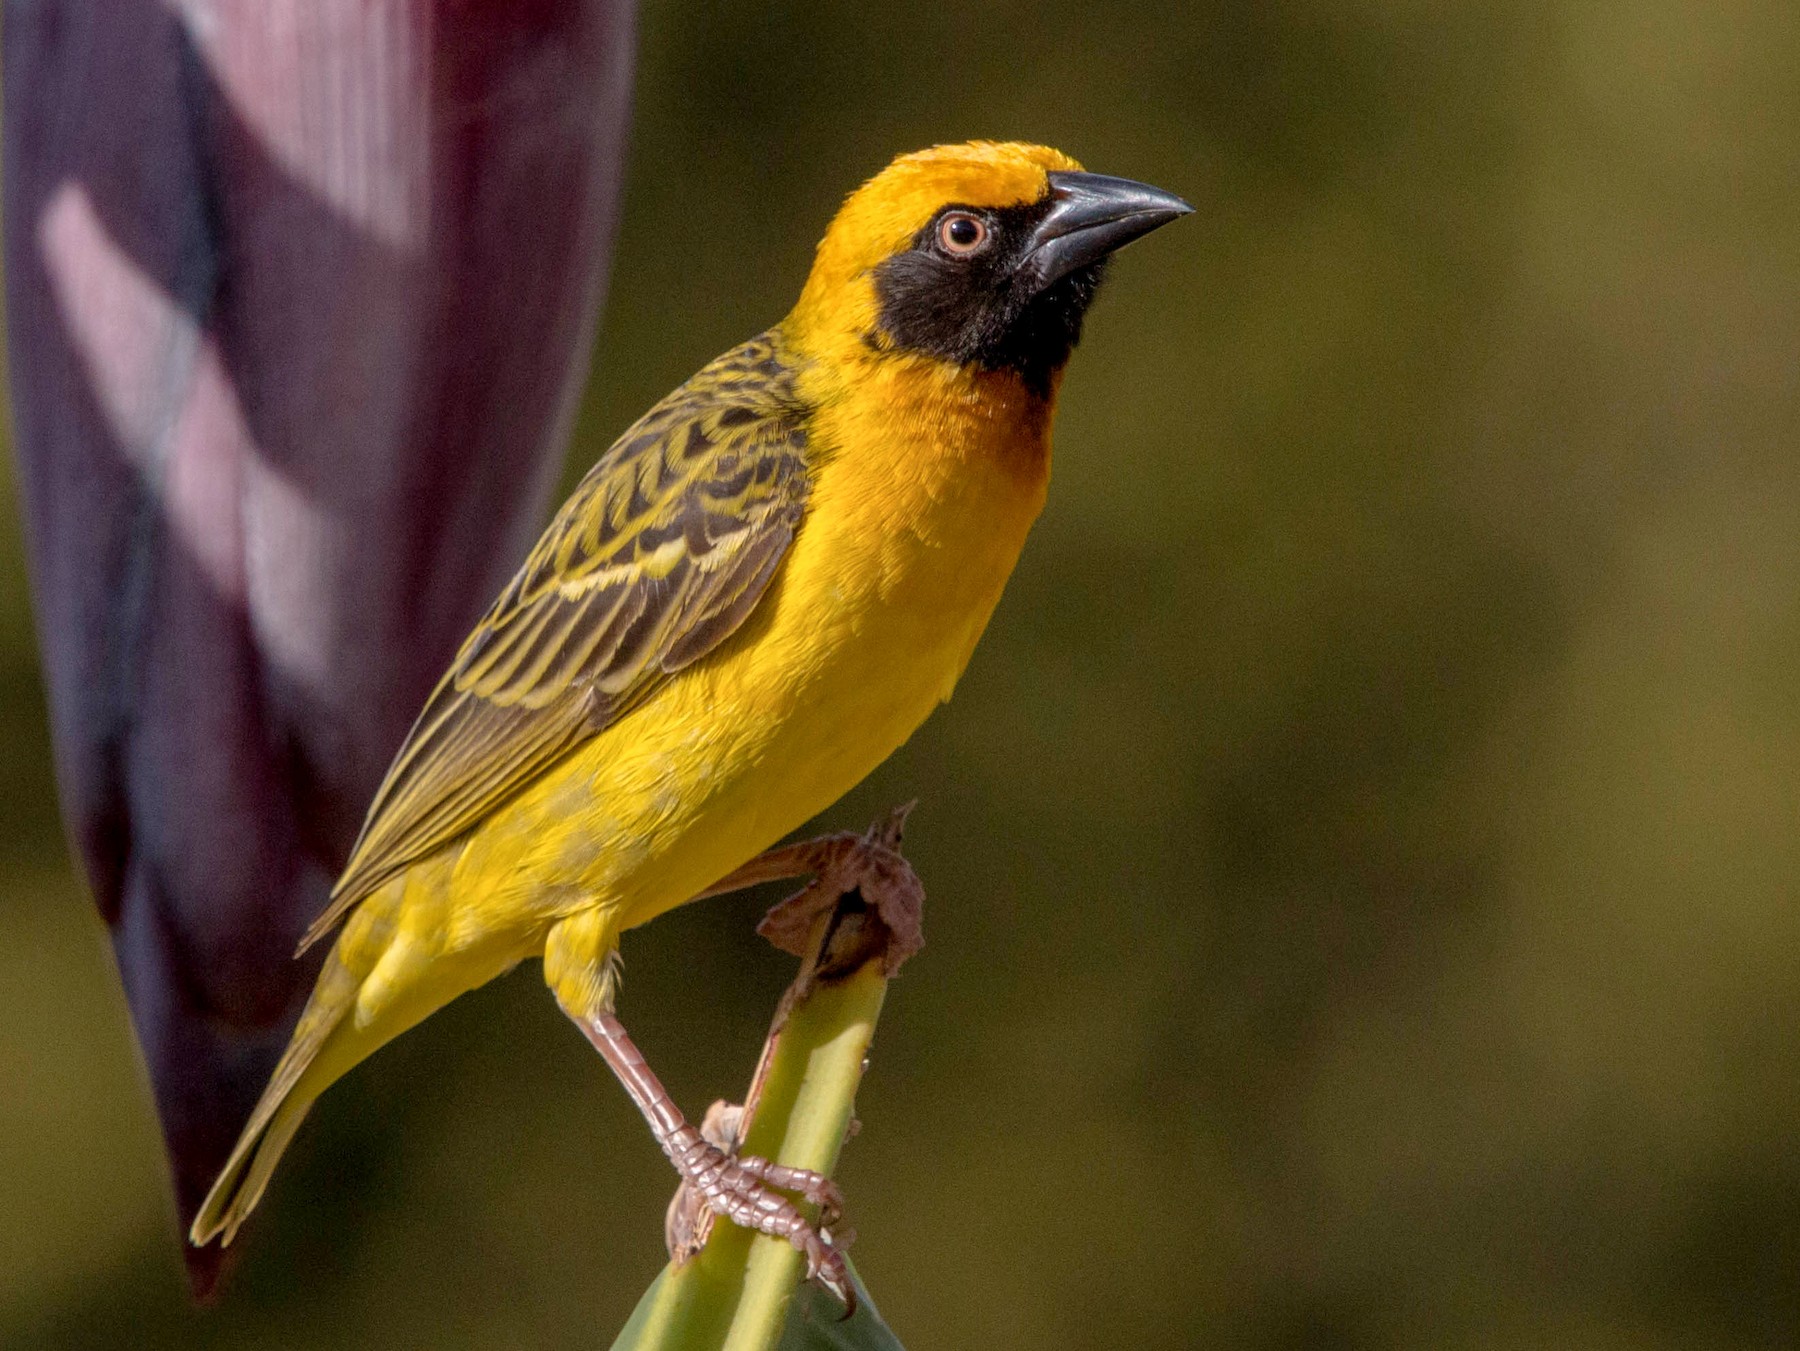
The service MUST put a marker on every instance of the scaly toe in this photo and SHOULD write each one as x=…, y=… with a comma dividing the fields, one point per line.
x=818, y=1189
x=743, y=1191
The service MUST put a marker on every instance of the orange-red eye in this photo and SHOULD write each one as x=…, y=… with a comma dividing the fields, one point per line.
x=959, y=232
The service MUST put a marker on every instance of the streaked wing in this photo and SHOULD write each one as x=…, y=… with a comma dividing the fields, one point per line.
x=659, y=555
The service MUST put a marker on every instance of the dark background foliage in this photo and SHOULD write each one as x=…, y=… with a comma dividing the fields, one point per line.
x=1362, y=856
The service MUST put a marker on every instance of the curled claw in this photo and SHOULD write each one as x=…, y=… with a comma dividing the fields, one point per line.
x=830, y=1202
x=825, y=1264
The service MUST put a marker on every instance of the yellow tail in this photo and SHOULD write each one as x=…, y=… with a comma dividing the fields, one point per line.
x=389, y=969
x=299, y=1078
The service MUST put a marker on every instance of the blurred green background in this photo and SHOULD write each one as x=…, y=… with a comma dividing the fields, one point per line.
x=1362, y=857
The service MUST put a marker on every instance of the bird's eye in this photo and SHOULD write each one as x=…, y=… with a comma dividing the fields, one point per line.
x=959, y=232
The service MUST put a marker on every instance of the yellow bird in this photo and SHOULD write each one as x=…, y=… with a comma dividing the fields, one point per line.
x=749, y=602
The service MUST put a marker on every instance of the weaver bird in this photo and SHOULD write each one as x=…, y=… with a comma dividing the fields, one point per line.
x=751, y=600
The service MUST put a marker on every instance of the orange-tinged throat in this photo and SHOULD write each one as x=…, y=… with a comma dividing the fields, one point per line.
x=913, y=419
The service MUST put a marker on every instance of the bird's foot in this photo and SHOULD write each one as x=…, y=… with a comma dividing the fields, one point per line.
x=887, y=900
x=869, y=866
x=815, y=1188
x=747, y=1191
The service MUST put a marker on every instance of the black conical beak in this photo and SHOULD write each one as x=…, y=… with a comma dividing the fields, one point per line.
x=1090, y=216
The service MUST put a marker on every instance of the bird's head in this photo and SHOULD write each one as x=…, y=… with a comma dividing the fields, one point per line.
x=984, y=256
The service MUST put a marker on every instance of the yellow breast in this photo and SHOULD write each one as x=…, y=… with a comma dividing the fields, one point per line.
x=925, y=483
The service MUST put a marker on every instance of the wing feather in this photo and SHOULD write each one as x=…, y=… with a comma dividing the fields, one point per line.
x=660, y=555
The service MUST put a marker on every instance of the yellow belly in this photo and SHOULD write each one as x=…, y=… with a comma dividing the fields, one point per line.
x=866, y=628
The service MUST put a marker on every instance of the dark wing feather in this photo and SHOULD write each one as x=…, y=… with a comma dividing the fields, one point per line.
x=658, y=556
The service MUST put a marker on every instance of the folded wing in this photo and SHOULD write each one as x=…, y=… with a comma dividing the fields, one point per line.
x=659, y=555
